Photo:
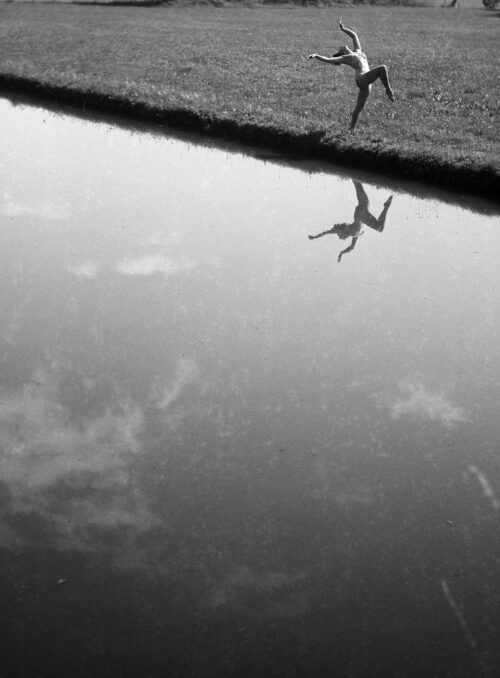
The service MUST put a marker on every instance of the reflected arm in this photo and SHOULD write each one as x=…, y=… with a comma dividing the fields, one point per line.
x=320, y=235
x=348, y=249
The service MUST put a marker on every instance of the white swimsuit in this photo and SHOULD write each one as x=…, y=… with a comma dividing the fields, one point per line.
x=358, y=61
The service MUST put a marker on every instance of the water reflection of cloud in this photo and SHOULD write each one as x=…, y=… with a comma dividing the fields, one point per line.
x=87, y=269
x=417, y=401
x=47, y=211
x=77, y=479
x=81, y=482
x=140, y=266
x=260, y=596
x=154, y=264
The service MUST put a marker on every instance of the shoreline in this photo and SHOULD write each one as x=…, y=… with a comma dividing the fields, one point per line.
x=482, y=182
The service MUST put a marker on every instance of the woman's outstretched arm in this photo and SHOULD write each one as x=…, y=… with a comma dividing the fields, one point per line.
x=336, y=61
x=351, y=34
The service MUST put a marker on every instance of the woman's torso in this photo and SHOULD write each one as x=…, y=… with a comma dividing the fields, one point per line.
x=356, y=60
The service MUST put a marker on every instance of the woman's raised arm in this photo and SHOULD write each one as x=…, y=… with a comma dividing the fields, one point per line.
x=351, y=34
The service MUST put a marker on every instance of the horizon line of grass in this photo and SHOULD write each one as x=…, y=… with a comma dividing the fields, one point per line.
x=235, y=3
x=482, y=181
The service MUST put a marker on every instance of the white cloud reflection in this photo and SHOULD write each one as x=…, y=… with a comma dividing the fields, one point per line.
x=417, y=401
x=154, y=265
x=81, y=480
x=43, y=451
x=47, y=211
x=138, y=266
x=88, y=269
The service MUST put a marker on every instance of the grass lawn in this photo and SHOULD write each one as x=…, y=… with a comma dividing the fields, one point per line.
x=243, y=71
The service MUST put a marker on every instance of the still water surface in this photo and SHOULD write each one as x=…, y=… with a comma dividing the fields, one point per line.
x=223, y=452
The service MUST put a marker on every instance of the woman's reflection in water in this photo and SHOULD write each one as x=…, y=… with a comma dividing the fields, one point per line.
x=362, y=215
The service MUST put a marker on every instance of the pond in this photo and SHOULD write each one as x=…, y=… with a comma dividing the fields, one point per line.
x=226, y=448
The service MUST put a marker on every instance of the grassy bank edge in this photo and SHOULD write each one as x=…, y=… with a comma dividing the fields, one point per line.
x=483, y=181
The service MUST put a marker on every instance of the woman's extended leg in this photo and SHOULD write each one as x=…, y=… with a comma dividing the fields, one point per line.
x=379, y=72
x=364, y=93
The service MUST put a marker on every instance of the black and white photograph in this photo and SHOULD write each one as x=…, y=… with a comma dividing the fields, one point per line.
x=249, y=339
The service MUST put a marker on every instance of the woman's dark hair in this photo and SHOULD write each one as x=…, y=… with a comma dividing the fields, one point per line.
x=344, y=230
x=341, y=52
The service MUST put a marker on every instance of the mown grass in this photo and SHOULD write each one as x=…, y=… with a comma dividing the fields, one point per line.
x=244, y=71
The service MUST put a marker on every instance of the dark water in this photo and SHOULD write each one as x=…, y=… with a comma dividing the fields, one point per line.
x=223, y=453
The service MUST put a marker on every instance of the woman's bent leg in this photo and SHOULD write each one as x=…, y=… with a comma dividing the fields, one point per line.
x=379, y=72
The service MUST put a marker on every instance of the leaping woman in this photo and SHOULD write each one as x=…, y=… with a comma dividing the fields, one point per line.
x=364, y=75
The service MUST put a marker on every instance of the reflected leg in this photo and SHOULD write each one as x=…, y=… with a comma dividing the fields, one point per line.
x=377, y=224
x=360, y=193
